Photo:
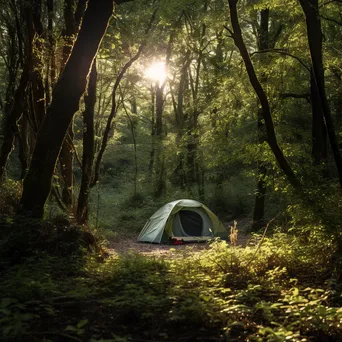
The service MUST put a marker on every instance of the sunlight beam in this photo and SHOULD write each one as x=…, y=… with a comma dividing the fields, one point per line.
x=157, y=73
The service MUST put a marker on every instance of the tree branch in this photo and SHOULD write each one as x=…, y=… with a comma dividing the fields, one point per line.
x=305, y=96
x=331, y=19
x=229, y=30
x=282, y=52
x=114, y=102
x=330, y=2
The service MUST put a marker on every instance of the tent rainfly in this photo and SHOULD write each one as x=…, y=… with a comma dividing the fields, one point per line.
x=184, y=219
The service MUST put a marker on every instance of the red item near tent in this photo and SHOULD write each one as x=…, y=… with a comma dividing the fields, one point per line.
x=176, y=241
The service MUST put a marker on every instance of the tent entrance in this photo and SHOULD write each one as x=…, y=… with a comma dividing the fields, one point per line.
x=191, y=223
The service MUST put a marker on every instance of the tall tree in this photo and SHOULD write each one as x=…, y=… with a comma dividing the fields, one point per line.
x=315, y=39
x=72, y=19
x=88, y=147
x=65, y=102
x=13, y=108
x=259, y=204
x=236, y=34
x=115, y=102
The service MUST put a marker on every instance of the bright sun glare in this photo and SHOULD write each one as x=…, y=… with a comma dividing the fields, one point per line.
x=157, y=72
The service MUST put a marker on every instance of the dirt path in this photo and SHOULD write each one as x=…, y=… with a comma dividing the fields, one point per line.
x=123, y=244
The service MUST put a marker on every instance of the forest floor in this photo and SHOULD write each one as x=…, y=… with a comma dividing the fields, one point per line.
x=124, y=243
x=276, y=291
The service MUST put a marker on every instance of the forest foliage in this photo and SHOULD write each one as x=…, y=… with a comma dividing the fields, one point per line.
x=246, y=119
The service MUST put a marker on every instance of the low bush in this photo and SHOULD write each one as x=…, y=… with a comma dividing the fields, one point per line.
x=9, y=197
x=22, y=237
x=281, y=289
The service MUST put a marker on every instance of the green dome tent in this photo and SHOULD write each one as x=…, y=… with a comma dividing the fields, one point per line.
x=185, y=219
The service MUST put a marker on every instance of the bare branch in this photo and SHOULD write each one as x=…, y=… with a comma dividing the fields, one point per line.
x=229, y=30
x=305, y=96
x=331, y=2
x=282, y=52
x=332, y=20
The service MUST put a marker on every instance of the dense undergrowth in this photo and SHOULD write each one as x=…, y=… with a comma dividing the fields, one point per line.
x=280, y=290
x=58, y=283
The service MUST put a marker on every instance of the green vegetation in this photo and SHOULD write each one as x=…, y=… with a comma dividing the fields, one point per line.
x=280, y=289
x=110, y=109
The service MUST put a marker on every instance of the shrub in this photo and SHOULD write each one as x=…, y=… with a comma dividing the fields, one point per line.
x=9, y=197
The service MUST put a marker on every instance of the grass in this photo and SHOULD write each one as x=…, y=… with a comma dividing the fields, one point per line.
x=284, y=290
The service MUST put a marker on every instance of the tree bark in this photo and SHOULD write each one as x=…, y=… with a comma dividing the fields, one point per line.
x=259, y=204
x=65, y=103
x=194, y=172
x=37, y=83
x=314, y=31
x=88, y=147
x=11, y=118
x=66, y=156
x=23, y=146
x=153, y=143
x=319, y=132
x=179, y=174
x=159, y=155
x=52, y=43
x=266, y=111
x=66, y=159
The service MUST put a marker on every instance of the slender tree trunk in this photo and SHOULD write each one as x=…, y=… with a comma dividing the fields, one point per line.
x=159, y=109
x=65, y=103
x=114, y=109
x=52, y=43
x=12, y=66
x=23, y=146
x=131, y=125
x=266, y=111
x=66, y=159
x=11, y=118
x=259, y=204
x=66, y=155
x=319, y=132
x=153, y=147
x=159, y=155
x=194, y=173
x=180, y=118
x=88, y=147
x=314, y=31
x=37, y=83
x=159, y=166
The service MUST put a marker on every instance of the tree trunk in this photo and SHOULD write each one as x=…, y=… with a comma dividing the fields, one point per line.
x=11, y=118
x=159, y=109
x=114, y=109
x=153, y=143
x=23, y=145
x=66, y=159
x=159, y=155
x=88, y=148
x=179, y=174
x=319, y=132
x=131, y=125
x=313, y=25
x=259, y=204
x=37, y=83
x=66, y=156
x=65, y=103
x=194, y=172
x=159, y=166
x=266, y=111
x=52, y=43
